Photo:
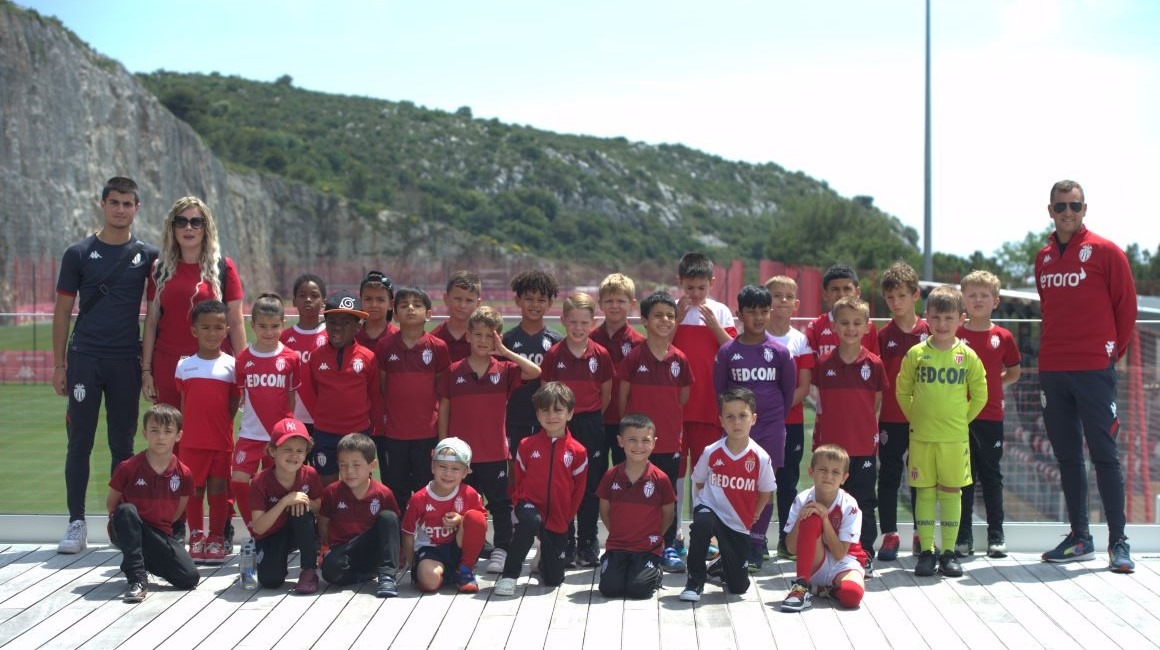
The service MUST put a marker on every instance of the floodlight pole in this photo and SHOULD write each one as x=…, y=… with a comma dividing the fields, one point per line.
x=927, y=260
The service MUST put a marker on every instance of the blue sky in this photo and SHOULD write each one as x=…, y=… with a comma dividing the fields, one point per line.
x=1025, y=92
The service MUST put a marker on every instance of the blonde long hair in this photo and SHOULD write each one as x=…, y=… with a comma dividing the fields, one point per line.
x=170, y=257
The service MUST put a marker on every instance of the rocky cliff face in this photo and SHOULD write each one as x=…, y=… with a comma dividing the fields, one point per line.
x=72, y=118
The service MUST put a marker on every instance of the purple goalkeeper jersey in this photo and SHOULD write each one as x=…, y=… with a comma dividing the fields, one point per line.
x=768, y=370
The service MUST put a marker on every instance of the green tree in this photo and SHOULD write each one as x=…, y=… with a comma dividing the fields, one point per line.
x=1016, y=259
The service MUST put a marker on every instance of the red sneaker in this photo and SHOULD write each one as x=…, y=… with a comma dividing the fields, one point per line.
x=197, y=546
x=215, y=550
x=889, y=550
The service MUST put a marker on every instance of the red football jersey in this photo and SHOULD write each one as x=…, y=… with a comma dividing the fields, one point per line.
x=457, y=348
x=409, y=384
x=655, y=391
x=425, y=511
x=378, y=403
x=266, y=492
x=266, y=381
x=207, y=386
x=618, y=345
x=343, y=391
x=478, y=406
x=304, y=342
x=893, y=344
x=700, y=346
x=156, y=496
x=997, y=350
x=347, y=515
x=584, y=374
x=846, y=396
x=823, y=339
x=634, y=509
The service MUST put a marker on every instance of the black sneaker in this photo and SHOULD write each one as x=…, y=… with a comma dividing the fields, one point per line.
x=692, y=592
x=1073, y=548
x=588, y=554
x=949, y=566
x=756, y=557
x=964, y=547
x=868, y=568
x=570, y=554
x=714, y=569
x=138, y=590
x=387, y=587
x=1120, y=557
x=996, y=546
x=926, y=565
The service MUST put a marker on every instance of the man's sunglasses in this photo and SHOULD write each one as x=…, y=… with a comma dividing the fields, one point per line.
x=1075, y=206
x=197, y=223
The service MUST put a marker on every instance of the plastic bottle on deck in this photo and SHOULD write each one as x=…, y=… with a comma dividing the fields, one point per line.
x=248, y=566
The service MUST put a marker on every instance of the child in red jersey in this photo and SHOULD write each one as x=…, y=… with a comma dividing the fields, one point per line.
x=636, y=505
x=359, y=519
x=784, y=292
x=550, y=474
x=461, y=298
x=617, y=300
x=823, y=529
x=473, y=397
x=850, y=380
x=209, y=400
x=377, y=294
x=146, y=493
x=839, y=281
x=304, y=337
x=446, y=523
x=343, y=381
x=267, y=376
x=999, y=353
x=584, y=366
x=733, y=482
x=283, y=499
x=703, y=326
x=904, y=331
x=410, y=364
x=655, y=380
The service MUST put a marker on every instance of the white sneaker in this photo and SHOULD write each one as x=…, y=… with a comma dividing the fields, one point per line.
x=75, y=538
x=496, y=561
x=505, y=587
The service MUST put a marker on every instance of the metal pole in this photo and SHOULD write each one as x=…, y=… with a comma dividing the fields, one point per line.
x=927, y=259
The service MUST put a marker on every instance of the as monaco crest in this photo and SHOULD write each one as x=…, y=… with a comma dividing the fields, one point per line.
x=458, y=504
x=240, y=457
x=320, y=340
x=375, y=505
x=79, y=392
x=428, y=356
x=625, y=348
x=995, y=341
x=494, y=377
x=750, y=464
x=547, y=344
x=1085, y=253
x=675, y=368
x=174, y=483
x=592, y=365
x=959, y=359
x=768, y=355
x=922, y=337
x=357, y=366
x=280, y=364
x=568, y=458
x=865, y=372
x=649, y=489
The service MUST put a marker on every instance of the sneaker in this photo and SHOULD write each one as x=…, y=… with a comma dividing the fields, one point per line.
x=756, y=559
x=570, y=554
x=465, y=578
x=1073, y=548
x=307, y=582
x=692, y=592
x=965, y=548
x=783, y=552
x=926, y=564
x=215, y=551
x=799, y=597
x=948, y=565
x=138, y=590
x=1120, y=557
x=714, y=569
x=679, y=544
x=496, y=561
x=76, y=538
x=868, y=568
x=588, y=554
x=672, y=562
x=505, y=587
x=996, y=549
x=387, y=588
x=765, y=551
x=197, y=547
x=889, y=550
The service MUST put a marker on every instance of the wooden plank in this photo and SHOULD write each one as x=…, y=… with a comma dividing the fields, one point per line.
x=991, y=611
x=14, y=552
x=1039, y=607
x=202, y=612
x=880, y=618
x=640, y=624
x=352, y=620
x=424, y=622
x=273, y=628
x=326, y=607
x=678, y=629
x=34, y=605
x=604, y=628
x=65, y=624
x=747, y=614
x=22, y=562
x=384, y=626
x=1086, y=594
x=932, y=627
x=569, y=617
x=463, y=617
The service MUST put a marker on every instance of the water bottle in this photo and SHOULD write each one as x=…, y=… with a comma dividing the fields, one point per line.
x=248, y=566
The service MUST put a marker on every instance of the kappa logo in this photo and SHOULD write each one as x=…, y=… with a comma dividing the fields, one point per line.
x=341, y=505
x=827, y=332
x=393, y=357
x=653, y=539
x=1085, y=253
x=291, y=339
x=79, y=392
x=616, y=487
x=866, y=464
x=650, y=488
x=517, y=345
x=494, y=377
x=536, y=454
x=1112, y=406
x=593, y=365
x=998, y=444
x=140, y=482
x=1110, y=347
x=1047, y=259
x=994, y=341
x=865, y=372
x=95, y=256
x=737, y=357
x=357, y=366
x=831, y=373
x=428, y=356
x=249, y=364
x=642, y=368
x=560, y=365
x=461, y=379
x=719, y=463
x=502, y=474
x=305, y=489
x=324, y=366
x=891, y=343
x=430, y=508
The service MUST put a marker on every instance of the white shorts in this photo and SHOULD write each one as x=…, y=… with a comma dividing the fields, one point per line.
x=831, y=569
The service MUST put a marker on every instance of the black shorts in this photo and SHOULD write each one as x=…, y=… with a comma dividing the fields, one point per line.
x=449, y=555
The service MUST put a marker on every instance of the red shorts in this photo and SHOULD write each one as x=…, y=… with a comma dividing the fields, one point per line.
x=249, y=455
x=698, y=435
x=206, y=464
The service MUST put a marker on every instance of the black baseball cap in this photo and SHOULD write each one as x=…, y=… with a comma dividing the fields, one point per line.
x=344, y=302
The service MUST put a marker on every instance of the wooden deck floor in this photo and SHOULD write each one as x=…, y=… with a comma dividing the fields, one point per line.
x=58, y=601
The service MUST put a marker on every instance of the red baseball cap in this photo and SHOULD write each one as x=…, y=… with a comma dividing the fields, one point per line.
x=287, y=429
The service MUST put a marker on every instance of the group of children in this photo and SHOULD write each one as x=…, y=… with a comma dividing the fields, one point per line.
x=466, y=421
